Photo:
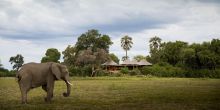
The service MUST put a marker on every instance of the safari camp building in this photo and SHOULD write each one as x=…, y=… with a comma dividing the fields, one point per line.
x=112, y=66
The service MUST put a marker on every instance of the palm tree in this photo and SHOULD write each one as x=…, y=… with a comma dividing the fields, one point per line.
x=155, y=45
x=126, y=43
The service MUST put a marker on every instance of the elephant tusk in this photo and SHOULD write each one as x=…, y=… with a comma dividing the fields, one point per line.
x=69, y=83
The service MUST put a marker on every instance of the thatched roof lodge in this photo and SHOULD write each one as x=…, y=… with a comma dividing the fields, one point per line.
x=112, y=66
x=110, y=63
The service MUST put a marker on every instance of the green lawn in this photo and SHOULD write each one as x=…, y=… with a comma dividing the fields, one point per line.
x=119, y=93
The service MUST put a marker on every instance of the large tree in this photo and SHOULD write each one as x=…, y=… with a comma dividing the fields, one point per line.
x=207, y=59
x=155, y=47
x=215, y=47
x=93, y=40
x=17, y=61
x=189, y=58
x=52, y=55
x=172, y=52
x=93, y=59
x=206, y=54
x=126, y=44
x=92, y=49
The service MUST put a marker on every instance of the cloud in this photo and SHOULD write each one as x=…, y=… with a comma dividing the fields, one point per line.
x=31, y=51
x=73, y=16
x=30, y=27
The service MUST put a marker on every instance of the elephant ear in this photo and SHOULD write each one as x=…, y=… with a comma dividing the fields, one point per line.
x=56, y=70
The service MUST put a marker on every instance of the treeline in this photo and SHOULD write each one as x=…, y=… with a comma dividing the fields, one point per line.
x=182, y=54
x=169, y=59
x=181, y=59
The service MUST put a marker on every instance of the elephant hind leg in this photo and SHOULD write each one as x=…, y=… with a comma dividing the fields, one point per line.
x=25, y=86
x=24, y=90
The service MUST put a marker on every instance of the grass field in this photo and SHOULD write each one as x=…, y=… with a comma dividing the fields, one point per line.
x=119, y=93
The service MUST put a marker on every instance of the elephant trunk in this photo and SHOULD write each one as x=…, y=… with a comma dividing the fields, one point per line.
x=68, y=85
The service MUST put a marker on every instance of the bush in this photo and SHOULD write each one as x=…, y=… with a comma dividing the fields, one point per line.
x=166, y=70
x=146, y=70
x=216, y=74
x=74, y=71
x=101, y=72
x=124, y=70
x=80, y=71
x=135, y=71
x=163, y=70
x=86, y=71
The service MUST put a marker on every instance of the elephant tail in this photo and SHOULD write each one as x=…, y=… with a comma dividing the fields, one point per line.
x=18, y=77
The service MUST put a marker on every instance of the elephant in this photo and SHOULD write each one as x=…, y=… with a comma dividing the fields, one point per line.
x=32, y=75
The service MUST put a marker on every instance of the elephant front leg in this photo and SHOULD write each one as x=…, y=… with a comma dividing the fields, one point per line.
x=44, y=87
x=49, y=90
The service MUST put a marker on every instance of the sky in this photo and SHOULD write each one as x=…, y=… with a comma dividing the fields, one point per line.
x=30, y=27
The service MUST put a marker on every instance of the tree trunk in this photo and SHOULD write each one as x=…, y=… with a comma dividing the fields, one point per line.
x=126, y=55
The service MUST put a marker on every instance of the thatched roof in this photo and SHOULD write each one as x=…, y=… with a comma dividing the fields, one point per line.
x=144, y=63
x=128, y=62
x=110, y=63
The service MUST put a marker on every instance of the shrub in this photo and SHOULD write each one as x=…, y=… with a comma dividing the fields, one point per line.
x=74, y=71
x=163, y=70
x=101, y=72
x=146, y=70
x=135, y=71
x=86, y=70
x=124, y=70
x=80, y=71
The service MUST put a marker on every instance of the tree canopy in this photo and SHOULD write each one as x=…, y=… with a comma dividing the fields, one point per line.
x=179, y=53
x=90, y=50
x=17, y=61
x=52, y=55
x=93, y=40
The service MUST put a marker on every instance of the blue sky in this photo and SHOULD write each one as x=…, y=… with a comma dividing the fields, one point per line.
x=30, y=27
